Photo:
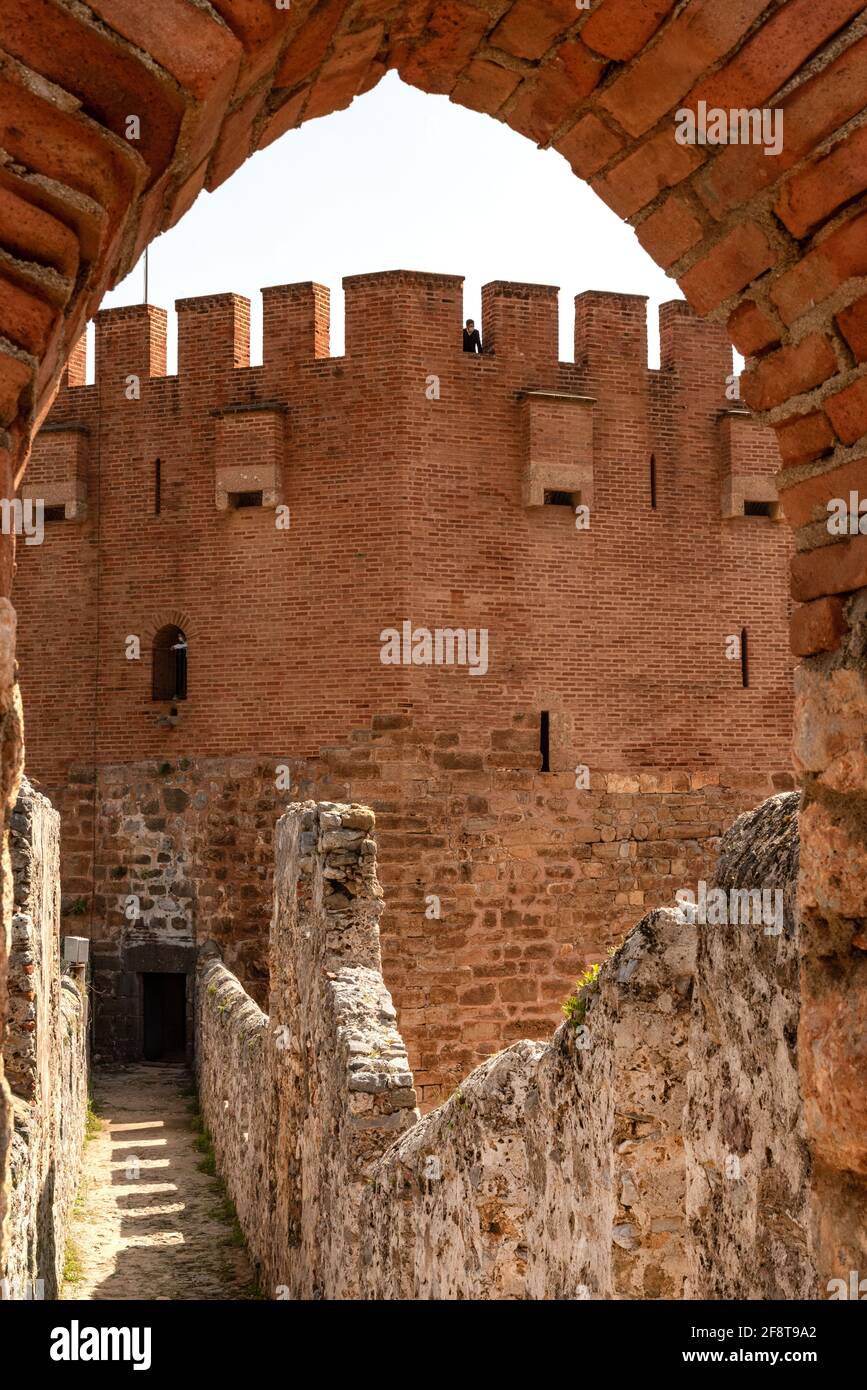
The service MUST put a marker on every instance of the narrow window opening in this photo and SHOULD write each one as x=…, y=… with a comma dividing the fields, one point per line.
x=245, y=499
x=553, y=498
x=54, y=513
x=158, y=487
x=169, y=664
x=758, y=509
x=653, y=481
x=745, y=669
x=545, y=740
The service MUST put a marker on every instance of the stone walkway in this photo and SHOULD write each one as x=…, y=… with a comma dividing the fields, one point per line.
x=148, y=1223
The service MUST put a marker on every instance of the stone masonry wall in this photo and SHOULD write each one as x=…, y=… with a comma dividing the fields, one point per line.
x=830, y=755
x=747, y=1159
x=533, y=878
x=555, y=1170
x=772, y=247
x=335, y=1081
x=234, y=1095
x=45, y=1057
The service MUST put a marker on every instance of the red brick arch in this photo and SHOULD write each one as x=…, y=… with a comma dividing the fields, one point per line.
x=176, y=618
x=773, y=245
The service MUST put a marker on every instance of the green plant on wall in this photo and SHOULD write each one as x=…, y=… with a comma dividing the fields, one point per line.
x=575, y=1006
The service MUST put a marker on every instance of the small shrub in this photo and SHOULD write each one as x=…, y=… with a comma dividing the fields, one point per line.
x=575, y=1007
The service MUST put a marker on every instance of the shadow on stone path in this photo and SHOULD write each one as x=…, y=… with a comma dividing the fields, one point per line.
x=157, y=1235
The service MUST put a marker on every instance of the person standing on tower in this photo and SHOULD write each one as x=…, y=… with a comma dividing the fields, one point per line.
x=472, y=341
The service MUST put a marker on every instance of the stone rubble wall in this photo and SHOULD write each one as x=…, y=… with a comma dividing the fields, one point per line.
x=830, y=756
x=558, y=1169
x=330, y=1080
x=231, y=1066
x=642, y=1023
x=45, y=1059
x=446, y=1215
x=533, y=877
x=747, y=1158
x=555, y=1170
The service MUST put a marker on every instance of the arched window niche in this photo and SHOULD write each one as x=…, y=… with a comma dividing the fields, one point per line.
x=169, y=664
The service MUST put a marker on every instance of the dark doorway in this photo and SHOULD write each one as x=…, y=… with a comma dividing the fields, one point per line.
x=164, y=1004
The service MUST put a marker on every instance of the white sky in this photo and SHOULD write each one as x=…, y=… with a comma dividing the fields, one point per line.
x=400, y=180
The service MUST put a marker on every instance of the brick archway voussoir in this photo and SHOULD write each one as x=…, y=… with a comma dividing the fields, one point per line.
x=115, y=115
x=748, y=237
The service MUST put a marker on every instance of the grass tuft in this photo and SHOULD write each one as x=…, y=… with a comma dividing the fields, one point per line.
x=575, y=1006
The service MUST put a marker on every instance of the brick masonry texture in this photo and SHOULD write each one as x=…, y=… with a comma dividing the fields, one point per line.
x=408, y=508
x=535, y=877
x=217, y=83
x=557, y=1169
x=603, y=86
x=45, y=1058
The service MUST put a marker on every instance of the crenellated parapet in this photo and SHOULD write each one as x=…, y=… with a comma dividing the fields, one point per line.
x=403, y=337
x=400, y=311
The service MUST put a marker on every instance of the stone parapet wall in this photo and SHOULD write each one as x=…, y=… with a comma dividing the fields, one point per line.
x=555, y=1170
x=503, y=883
x=747, y=1158
x=830, y=755
x=560, y=1169
x=328, y=1070
x=45, y=1058
x=233, y=1083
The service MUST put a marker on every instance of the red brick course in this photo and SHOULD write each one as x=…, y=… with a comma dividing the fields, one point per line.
x=407, y=507
x=223, y=81
x=817, y=627
x=847, y=411
x=801, y=438
x=852, y=323
x=218, y=91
